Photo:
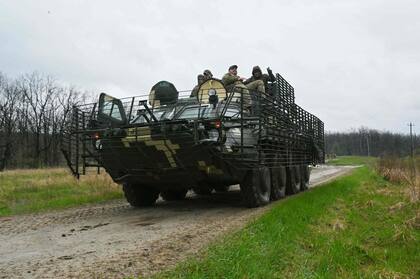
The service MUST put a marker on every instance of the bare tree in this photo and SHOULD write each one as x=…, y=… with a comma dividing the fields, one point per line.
x=33, y=111
x=9, y=97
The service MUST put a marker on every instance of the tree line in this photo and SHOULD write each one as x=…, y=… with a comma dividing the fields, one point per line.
x=365, y=141
x=35, y=107
x=33, y=111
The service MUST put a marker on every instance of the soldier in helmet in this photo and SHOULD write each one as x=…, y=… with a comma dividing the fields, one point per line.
x=200, y=80
x=207, y=74
x=258, y=81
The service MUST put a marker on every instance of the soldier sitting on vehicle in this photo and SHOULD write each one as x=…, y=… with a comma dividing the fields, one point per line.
x=231, y=80
x=200, y=80
x=259, y=81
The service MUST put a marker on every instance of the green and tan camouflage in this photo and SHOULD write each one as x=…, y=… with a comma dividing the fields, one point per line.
x=166, y=142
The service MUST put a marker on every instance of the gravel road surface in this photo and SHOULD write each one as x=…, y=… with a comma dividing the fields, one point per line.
x=114, y=240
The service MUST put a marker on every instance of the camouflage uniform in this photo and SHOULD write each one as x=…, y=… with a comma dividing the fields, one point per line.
x=256, y=85
x=231, y=81
x=200, y=80
x=259, y=81
x=207, y=74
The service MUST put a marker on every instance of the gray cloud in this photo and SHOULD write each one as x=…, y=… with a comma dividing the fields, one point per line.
x=352, y=63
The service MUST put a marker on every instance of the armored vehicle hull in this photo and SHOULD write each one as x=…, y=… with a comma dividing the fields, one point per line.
x=262, y=141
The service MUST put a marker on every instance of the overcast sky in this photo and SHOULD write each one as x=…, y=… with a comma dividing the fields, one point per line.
x=352, y=63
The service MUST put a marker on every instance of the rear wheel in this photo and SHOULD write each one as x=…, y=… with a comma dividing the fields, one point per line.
x=256, y=187
x=173, y=194
x=221, y=189
x=278, y=183
x=305, y=174
x=140, y=195
x=293, y=183
x=202, y=191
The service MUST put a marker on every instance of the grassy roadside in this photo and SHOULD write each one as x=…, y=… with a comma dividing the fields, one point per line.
x=352, y=160
x=27, y=191
x=359, y=226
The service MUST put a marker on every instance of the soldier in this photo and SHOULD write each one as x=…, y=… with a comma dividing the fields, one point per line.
x=232, y=80
x=259, y=81
x=207, y=74
x=200, y=80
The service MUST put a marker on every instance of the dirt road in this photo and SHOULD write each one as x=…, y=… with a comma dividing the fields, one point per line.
x=114, y=240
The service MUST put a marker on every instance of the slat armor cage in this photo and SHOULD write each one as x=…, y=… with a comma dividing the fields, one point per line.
x=242, y=131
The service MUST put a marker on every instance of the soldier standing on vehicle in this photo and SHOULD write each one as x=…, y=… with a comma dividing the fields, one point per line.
x=259, y=81
x=200, y=80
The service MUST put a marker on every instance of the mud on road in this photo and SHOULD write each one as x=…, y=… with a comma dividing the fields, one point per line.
x=114, y=240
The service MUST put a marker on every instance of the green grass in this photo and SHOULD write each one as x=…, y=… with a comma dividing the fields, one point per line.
x=352, y=160
x=27, y=191
x=353, y=227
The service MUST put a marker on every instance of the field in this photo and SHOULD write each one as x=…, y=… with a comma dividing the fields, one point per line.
x=360, y=226
x=37, y=190
x=27, y=191
x=352, y=160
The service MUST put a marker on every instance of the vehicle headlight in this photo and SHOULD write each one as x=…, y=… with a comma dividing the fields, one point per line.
x=212, y=92
x=98, y=144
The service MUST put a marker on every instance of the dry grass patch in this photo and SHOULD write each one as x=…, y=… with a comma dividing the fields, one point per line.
x=25, y=191
x=405, y=172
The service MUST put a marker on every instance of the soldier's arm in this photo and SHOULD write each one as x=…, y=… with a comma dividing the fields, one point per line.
x=229, y=79
x=194, y=92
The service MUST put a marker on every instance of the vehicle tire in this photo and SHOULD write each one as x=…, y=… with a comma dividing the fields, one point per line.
x=202, y=191
x=293, y=180
x=278, y=183
x=305, y=174
x=173, y=194
x=140, y=195
x=256, y=187
x=221, y=189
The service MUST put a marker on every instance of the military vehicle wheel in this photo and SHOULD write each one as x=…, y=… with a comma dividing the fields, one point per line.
x=293, y=181
x=278, y=183
x=173, y=194
x=256, y=187
x=202, y=191
x=221, y=189
x=305, y=174
x=140, y=195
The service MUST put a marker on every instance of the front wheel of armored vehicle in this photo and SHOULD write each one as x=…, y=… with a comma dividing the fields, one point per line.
x=173, y=194
x=256, y=187
x=140, y=195
x=293, y=180
x=278, y=183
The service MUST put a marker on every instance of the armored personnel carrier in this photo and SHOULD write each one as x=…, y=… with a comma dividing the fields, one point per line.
x=168, y=142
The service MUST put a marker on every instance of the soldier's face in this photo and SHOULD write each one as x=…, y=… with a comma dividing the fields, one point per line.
x=233, y=72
